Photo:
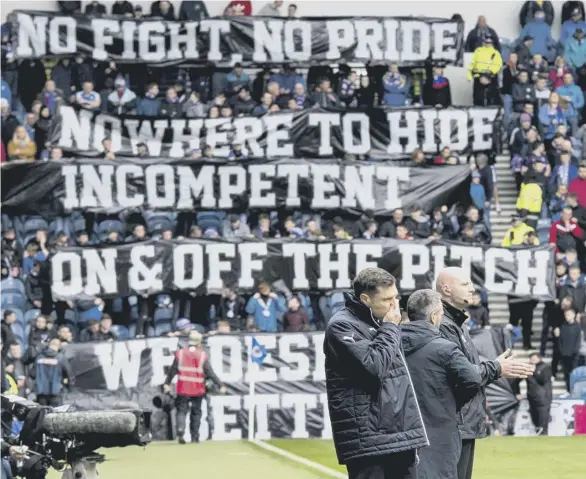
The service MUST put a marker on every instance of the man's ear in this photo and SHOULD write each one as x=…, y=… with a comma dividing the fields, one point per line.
x=365, y=299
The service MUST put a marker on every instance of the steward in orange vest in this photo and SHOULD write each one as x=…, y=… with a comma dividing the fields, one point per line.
x=192, y=368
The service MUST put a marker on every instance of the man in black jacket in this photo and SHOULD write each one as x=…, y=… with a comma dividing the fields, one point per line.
x=539, y=393
x=376, y=421
x=457, y=291
x=444, y=381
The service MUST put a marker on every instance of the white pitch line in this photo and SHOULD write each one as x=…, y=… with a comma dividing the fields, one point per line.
x=299, y=459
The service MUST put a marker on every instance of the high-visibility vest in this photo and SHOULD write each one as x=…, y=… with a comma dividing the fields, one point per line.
x=191, y=378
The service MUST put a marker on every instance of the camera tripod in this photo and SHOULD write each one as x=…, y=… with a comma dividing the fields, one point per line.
x=84, y=467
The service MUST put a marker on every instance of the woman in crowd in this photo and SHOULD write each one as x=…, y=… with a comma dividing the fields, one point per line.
x=551, y=115
x=21, y=147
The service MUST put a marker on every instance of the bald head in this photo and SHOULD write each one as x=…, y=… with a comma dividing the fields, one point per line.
x=455, y=287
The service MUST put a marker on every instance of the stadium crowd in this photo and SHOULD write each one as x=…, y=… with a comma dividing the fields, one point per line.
x=539, y=81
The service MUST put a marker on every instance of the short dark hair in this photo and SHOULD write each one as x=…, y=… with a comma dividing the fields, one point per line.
x=535, y=353
x=421, y=303
x=7, y=313
x=370, y=279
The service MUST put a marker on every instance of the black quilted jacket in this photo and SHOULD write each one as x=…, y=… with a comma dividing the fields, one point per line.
x=373, y=408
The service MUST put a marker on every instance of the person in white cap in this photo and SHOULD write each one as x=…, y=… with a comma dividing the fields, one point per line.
x=192, y=368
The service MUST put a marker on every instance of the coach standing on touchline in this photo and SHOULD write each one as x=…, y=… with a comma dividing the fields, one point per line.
x=457, y=290
x=376, y=421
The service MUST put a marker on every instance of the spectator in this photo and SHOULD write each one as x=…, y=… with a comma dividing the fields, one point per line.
x=417, y=223
x=486, y=64
x=578, y=185
x=271, y=9
x=292, y=11
x=291, y=229
x=365, y=95
x=122, y=100
x=194, y=107
x=88, y=99
x=122, y=8
x=565, y=233
x=95, y=8
x=65, y=335
x=243, y=103
x=40, y=332
x=564, y=172
x=481, y=232
x=540, y=31
x=571, y=93
x=569, y=7
x=574, y=287
x=52, y=372
x=348, y=89
x=340, y=230
x=295, y=320
x=262, y=309
x=193, y=11
x=570, y=337
x=171, y=106
x=370, y=230
x=570, y=26
x=578, y=211
x=240, y=7
x=477, y=193
x=233, y=309
x=313, y=231
x=139, y=233
x=236, y=79
x=440, y=225
x=62, y=75
x=14, y=365
x=51, y=97
x=542, y=92
x=389, y=228
x=263, y=108
x=515, y=235
x=105, y=328
x=286, y=79
x=478, y=313
x=396, y=87
x=477, y=35
x=11, y=248
x=558, y=202
x=163, y=9
x=5, y=92
x=575, y=50
x=324, y=96
x=29, y=124
x=235, y=228
x=538, y=68
x=551, y=116
x=8, y=318
x=436, y=91
x=529, y=10
x=150, y=105
x=524, y=51
x=33, y=286
x=556, y=76
x=91, y=332
x=402, y=233
x=21, y=147
x=9, y=122
x=29, y=90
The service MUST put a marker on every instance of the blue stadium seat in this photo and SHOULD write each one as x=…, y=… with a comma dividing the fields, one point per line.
x=92, y=313
x=60, y=224
x=156, y=228
x=151, y=332
x=111, y=225
x=32, y=224
x=6, y=222
x=12, y=285
x=13, y=300
x=121, y=332
x=163, y=328
x=163, y=315
x=210, y=219
x=132, y=331
x=78, y=224
x=31, y=315
x=117, y=305
x=18, y=329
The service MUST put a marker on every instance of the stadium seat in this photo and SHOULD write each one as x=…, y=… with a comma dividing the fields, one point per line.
x=121, y=332
x=92, y=313
x=6, y=222
x=13, y=300
x=163, y=328
x=12, y=285
x=31, y=315
x=156, y=228
x=132, y=331
x=33, y=224
x=210, y=219
x=60, y=224
x=163, y=315
x=151, y=332
x=78, y=224
x=111, y=225
x=18, y=330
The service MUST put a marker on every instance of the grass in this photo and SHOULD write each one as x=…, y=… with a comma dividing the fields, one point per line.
x=206, y=460
x=495, y=458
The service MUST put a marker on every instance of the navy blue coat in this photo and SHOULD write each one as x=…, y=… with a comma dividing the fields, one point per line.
x=51, y=368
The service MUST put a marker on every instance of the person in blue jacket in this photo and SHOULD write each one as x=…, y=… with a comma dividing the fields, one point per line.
x=263, y=309
x=52, y=371
x=540, y=31
x=397, y=87
x=551, y=116
x=575, y=50
x=572, y=93
x=570, y=26
x=287, y=78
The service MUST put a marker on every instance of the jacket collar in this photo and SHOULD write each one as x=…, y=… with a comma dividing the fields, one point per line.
x=361, y=311
x=456, y=315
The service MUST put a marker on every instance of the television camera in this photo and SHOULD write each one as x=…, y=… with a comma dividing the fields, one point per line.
x=68, y=441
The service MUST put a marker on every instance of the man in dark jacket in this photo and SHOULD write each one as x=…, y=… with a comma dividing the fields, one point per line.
x=444, y=381
x=539, y=393
x=376, y=421
x=52, y=371
x=457, y=292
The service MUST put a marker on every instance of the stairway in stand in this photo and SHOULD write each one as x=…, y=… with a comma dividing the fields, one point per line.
x=500, y=223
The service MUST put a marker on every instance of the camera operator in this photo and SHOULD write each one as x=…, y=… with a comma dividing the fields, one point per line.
x=193, y=368
x=51, y=373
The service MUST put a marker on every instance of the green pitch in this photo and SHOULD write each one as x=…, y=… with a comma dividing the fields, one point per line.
x=496, y=458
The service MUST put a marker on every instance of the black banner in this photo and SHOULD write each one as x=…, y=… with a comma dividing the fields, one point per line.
x=205, y=266
x=250, y=40
x=341, y=187
x=290, y=385
x=374, y=133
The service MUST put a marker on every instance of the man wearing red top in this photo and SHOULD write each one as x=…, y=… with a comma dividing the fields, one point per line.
x=578, y=185
x=193, y=369
x=565, y=233
x=241, y=7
